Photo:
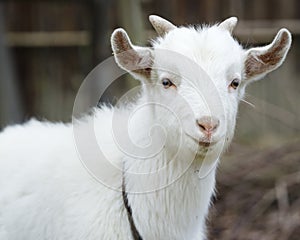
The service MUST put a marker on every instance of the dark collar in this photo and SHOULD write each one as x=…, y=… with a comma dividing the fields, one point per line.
x=135, y=233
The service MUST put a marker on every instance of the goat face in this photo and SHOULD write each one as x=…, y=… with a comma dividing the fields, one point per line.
x=203, y=68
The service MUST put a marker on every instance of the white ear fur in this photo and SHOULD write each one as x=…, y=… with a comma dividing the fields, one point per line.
x=262, y=60
x=161, y=25
x=229, y=24
x=136, y=60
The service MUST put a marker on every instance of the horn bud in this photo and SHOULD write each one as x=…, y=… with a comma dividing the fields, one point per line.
x=229, y=24
x=161, y=25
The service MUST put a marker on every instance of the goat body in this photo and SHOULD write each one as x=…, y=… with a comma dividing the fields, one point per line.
x=60, y=181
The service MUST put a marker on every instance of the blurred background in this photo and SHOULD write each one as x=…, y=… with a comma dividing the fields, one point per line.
x=48, y=47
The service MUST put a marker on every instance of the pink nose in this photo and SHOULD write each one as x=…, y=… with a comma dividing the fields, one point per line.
x=208, y=124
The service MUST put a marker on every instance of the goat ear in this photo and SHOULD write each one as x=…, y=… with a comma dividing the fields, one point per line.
x=135, y=60
x=262, y=60
x=229, y=24
x=161, y=26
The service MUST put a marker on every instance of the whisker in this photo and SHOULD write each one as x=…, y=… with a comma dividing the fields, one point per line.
x=250, y=104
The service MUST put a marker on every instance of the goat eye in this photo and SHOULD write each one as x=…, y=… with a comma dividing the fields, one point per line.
x=167, y=83
x=235, y=83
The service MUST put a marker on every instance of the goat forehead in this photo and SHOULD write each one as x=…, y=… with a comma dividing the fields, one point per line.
x=211, y=48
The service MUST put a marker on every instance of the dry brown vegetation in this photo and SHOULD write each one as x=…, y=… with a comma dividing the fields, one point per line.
x=258, y=195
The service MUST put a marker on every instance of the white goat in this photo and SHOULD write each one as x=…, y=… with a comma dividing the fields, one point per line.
x=192, y=81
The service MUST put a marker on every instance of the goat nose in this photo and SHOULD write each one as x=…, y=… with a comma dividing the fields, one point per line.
x=208, y=124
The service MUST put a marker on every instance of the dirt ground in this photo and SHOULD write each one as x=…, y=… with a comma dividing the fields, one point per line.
x=258, y=194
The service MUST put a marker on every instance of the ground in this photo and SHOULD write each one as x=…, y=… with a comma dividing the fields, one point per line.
x=258, y=194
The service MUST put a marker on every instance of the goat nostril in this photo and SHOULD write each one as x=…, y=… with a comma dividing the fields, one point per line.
x=202, y=127
x=208, y=124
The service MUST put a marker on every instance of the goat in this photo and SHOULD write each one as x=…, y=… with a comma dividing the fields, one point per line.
x=164, y=148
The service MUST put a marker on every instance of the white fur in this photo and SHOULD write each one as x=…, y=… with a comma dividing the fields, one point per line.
x=47, y=193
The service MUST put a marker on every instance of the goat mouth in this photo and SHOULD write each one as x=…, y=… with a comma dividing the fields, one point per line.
x=207, y=142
